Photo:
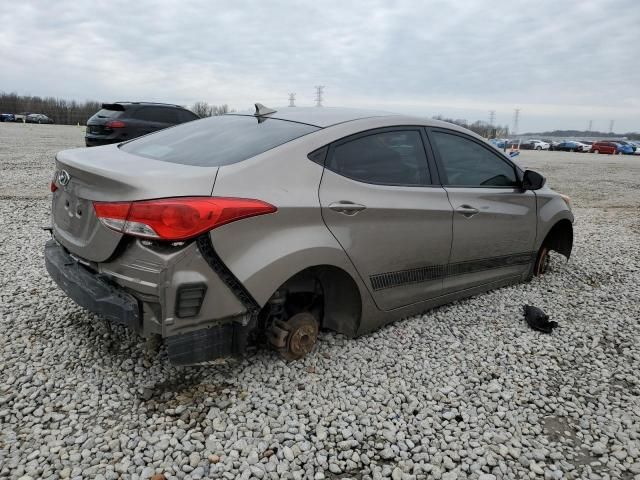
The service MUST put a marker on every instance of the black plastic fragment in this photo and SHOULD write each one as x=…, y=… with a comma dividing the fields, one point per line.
x=538, y=320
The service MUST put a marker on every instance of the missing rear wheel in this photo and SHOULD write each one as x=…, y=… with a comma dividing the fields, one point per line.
x=295, y=337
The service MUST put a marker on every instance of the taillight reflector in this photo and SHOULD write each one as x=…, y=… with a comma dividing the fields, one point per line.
x=115, y=124
x=177, y=218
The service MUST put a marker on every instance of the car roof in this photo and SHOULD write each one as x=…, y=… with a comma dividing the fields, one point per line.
x=320, y=116
x=160, y=104
x=323, y=117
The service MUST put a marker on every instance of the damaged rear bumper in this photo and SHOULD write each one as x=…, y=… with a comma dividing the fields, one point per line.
x=221, y=328
x=90, y=290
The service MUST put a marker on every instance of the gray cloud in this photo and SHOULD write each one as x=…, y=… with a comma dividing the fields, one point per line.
x=563, y=63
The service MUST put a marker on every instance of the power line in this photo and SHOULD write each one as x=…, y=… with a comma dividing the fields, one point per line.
x=319, y=93
x=292, y=99
x=492, y=117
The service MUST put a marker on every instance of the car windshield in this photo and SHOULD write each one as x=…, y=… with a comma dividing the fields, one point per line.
x=217, y=141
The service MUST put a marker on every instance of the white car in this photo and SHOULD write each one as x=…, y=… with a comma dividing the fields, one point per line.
x=539, y=144
x=586, y=147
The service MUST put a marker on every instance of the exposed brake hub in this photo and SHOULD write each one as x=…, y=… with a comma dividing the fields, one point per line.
x=295, y=337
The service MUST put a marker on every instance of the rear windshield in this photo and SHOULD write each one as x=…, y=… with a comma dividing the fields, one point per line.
x=104, y=113
x=217, y=141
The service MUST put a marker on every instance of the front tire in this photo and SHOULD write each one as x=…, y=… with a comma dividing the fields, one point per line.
x=538, y=148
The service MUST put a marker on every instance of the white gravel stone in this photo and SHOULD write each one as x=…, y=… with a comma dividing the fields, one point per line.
x=463, y=391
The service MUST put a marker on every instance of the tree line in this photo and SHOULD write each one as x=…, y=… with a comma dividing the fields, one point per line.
x=484, y=129
x=63, y=111
x=72, y=112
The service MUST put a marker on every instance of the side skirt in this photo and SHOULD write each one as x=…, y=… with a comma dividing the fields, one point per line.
x=379, y=319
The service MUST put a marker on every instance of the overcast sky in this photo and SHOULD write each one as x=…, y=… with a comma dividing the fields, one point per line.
x=562, y=62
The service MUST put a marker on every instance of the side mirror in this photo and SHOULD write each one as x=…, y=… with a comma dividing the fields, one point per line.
x=532, y=180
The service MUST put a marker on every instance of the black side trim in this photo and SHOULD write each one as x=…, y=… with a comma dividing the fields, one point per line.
x=462, y=268
x=381, y=281
x=405, y=277
x=215, y=262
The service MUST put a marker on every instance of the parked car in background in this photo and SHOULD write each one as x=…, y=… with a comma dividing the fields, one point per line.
x=628, y=143
x=539, y=144
x=637, y=144
x=521, y=145
x=247, y=228
x=586, y=146
x=120, y=121
x=7, y=117
x=37, y=118
x=604, y=146
x=499, y=142
x=567, y=146
x=623, y=148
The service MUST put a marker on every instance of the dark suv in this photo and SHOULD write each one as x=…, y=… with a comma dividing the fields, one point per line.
x=120, y=121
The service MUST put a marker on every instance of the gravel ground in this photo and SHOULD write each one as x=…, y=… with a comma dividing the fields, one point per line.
x=464, y=391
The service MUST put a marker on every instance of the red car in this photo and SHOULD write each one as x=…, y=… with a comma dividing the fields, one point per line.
x=602, y=146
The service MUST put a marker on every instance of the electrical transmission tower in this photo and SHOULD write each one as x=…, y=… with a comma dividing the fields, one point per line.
x=590, y=125
x=611, y=126
x=492, y=117
x=319, y=93
x=516, y=119
x=292, y=99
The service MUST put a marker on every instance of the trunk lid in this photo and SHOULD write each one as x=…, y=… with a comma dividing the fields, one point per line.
x=109, y=174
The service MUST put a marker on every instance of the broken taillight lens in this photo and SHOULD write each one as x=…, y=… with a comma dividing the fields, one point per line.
x=177, y=219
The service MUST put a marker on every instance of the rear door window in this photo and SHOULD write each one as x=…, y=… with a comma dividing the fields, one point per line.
x=186, y=116
x=217, y=141
x=387, y=158
x=157, y=114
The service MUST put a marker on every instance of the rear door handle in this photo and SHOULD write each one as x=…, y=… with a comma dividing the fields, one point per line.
x=346, y=207
x=467, y=210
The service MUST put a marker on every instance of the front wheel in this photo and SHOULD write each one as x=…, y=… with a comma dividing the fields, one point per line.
x=538, y=148
x=542, y=261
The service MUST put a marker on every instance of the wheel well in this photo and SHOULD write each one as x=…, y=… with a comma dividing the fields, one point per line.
x=560, y=238
x=341, y=304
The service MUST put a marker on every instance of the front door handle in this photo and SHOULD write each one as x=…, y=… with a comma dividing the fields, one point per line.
x=346, y=207
x=467, y=210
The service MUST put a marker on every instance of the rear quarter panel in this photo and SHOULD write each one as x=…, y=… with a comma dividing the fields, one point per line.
x=265, y=251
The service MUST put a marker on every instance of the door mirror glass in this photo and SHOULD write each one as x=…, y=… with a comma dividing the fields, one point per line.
x=532, y=180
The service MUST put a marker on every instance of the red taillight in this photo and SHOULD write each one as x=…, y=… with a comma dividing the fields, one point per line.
x=53, y=187
x=115, y=124
x=177, y=218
